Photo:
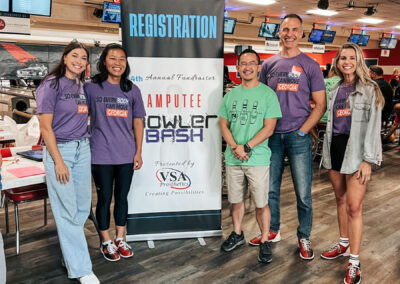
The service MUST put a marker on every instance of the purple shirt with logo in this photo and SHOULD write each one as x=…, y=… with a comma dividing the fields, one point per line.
x=112, y=112
x=293, y=80
x=68, y=105
x=341, y=111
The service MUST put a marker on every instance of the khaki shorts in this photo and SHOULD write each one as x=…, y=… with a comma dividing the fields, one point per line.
x=253, y=178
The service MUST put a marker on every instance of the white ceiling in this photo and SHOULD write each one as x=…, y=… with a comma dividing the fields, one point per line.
x=387, y=10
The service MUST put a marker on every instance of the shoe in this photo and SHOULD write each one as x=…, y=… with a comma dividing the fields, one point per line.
x=233, y=241
x=124, y=249
x=306, y=251
x=265, y=254
x=272, y=237
x=110, y=252
x=89, y=279
x=353, y=274
x=335, y=251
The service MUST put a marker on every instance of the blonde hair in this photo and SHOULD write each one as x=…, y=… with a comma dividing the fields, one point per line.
x=362, y=72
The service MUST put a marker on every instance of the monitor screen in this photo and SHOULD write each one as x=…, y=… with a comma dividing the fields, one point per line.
x=363, y=41
x=315, y=35
x=111, y=12
x=269, y=30
x=392, y=43
x=354, y=38
x=229, y=25
x=4, y=6
x=32, y=7
x=384, y=42
x=328, y=36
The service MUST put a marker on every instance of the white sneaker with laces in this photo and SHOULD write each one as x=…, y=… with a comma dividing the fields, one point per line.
x=89, y=279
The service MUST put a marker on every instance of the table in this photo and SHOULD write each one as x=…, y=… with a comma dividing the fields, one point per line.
x=10, y=181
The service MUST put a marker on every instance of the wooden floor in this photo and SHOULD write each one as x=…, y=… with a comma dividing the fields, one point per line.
x=185, y=261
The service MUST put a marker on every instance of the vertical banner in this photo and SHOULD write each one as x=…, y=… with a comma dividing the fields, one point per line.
x=175, y=51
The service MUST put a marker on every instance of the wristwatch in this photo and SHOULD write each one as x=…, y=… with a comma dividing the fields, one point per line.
x=247, y=148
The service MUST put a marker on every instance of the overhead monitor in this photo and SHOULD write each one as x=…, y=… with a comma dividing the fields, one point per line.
x=4, y=5
x=32, y=7
x=384, y=42
x=392, y=43
x=354, y=38
x=388, y=43
x=315, y=35
x=111, y=12
x=328, y=36
x=363, y=41
x=229, y=25
x=269, y=30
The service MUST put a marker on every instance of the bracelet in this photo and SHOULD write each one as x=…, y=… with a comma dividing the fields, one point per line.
x=301, y=133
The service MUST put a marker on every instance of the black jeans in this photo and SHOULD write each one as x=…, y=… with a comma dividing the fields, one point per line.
x=105, y=176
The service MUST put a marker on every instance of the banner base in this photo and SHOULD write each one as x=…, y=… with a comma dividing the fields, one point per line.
x=175, y=235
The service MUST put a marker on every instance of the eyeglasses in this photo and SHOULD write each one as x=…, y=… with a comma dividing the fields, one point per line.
x=252, y=63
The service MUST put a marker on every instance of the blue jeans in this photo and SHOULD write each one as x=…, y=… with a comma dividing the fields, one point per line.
x=298, y=150
x=71, y=203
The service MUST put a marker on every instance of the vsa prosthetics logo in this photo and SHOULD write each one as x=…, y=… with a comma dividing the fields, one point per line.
x=173, y=178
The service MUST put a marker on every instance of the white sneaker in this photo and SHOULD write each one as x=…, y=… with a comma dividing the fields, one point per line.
x=89, y=279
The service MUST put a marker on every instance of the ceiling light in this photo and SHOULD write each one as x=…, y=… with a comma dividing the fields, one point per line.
x=323, y=4
x=322, y=12
x=259, y=2
x=397, y=27
x=370, y=20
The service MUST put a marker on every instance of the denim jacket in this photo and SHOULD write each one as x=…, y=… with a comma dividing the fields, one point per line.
x=364, y=142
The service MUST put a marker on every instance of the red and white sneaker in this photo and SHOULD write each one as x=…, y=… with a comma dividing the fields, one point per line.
x=124, y=249
x=335, y=251
x=353, y=274
x=272, y=237
x=306, y=251
x=110, y=251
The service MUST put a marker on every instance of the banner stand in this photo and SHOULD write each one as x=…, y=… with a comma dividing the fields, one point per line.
x=175, y=53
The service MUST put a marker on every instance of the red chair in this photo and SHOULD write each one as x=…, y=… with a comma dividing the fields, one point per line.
x=22, y=195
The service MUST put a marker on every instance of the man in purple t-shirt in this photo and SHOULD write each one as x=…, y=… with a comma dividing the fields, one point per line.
x=296, y=79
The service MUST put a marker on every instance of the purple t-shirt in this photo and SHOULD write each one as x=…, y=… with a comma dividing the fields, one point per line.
x=341, y=111
x=68, y=105
x=112, y=112
x=293, y=80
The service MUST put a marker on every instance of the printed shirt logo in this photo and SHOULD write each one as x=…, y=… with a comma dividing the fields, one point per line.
x=296, y=72
x=343, y=112
x=287, y=87
x=116, y=112
x=289, y=81
x=82, y=109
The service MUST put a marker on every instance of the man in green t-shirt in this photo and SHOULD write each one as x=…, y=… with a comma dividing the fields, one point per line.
x=248, y=116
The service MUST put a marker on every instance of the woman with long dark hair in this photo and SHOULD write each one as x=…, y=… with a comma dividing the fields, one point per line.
x=63, y=114
x=351, y=146
x=116, y=127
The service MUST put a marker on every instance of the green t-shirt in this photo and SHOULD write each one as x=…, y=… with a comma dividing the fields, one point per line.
x=329, y=83
x=245, y=110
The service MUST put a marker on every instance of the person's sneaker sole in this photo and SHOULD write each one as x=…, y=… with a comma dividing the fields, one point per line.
x=274, y=240
x=307, y=258
x=123, y=256
x=235, y=246
x=329, y=258
x=108, y=259
x=344, y=281
x=267, y=261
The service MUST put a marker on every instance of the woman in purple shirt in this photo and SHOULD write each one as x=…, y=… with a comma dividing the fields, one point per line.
x=116, y=126
x=351, y=146
x=63, y=113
